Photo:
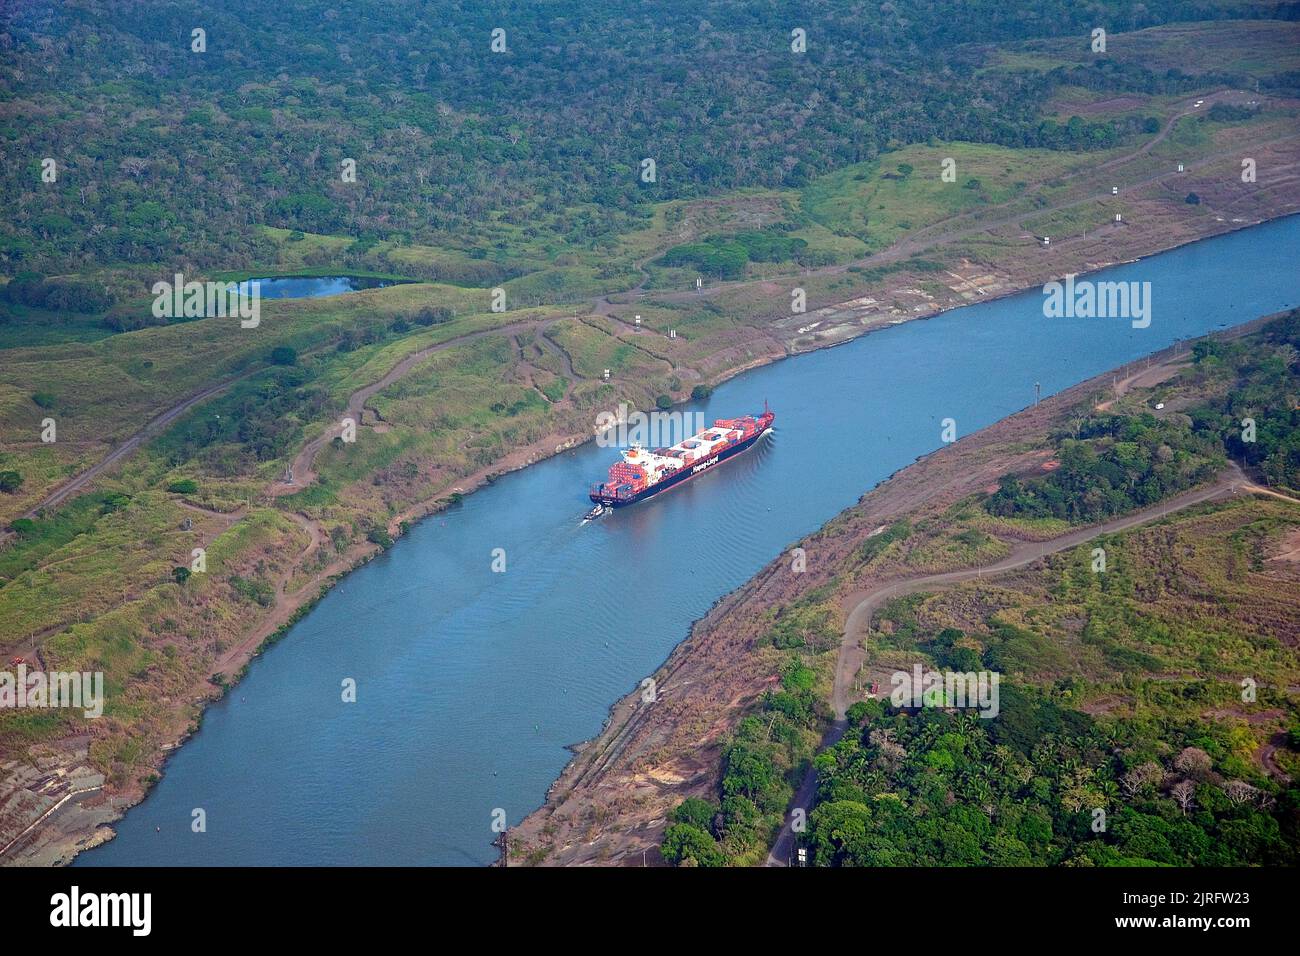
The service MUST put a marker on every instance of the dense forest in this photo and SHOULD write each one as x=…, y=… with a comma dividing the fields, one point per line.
x=1260, y=386
x=757, y=766
x=167, y=155
x=940, y=788
x=1179, y=783
x=950, y=789
x=1109, y=464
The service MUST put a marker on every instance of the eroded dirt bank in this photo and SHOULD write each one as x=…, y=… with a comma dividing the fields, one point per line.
x=609, y=806
x=48, y=816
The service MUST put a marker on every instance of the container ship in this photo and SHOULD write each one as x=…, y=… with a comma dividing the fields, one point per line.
x=642, y=473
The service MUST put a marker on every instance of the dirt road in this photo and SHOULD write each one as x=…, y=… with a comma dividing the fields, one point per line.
x=952, y=229
x=302, y=472
x=948, y=230
x=864, y=603
x=153, y=426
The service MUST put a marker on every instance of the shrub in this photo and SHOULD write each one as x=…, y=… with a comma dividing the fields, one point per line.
x=126, y=320
x=253, y=590
x=284, y=355
x=23, y=527
x=433, y=315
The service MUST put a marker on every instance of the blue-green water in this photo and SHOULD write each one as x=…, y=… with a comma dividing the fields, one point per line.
x=470, y=683
x=310, y=287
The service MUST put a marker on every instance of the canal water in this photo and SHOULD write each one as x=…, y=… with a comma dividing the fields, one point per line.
x=470, y=683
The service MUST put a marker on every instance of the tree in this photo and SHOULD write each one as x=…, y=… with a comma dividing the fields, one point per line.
x=687, y=845
x=10, y=481
x=432, y=315
x=886, y=743
x=1193, y=762
x=862, y=711
x=696, y=812
x=1240, y=792
x=1140, y=778
x=284, y=355
x=748, y=772
x=1206, y=349
x=740, y=817
x=834, y=828
x=181, y=574
x=1183, y=793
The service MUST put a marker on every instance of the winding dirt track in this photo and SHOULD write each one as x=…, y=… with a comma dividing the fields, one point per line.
x=154, y=425
x=952, y=229
x=947, y=230
x=302, y=473
x=864, y=603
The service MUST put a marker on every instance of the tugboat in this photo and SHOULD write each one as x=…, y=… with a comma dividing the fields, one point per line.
x=641, y=473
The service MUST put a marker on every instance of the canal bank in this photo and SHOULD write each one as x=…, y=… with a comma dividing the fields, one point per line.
x=471, y=683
